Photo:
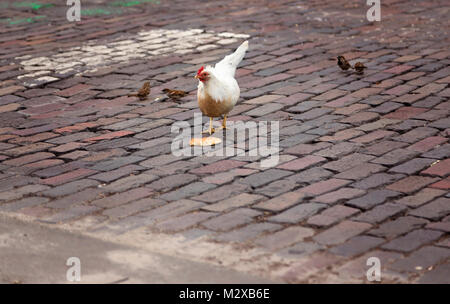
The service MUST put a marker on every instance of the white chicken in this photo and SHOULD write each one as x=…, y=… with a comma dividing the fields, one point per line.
x=218, y=90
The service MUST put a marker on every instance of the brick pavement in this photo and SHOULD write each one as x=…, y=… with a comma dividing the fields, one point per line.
x=364, y=161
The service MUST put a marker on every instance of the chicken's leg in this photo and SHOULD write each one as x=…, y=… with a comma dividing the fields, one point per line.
x=224, y=123
x=211, y=130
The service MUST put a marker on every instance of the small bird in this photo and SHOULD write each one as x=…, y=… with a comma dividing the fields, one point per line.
x=143, y=92
x=343, y=63
x=359, y=67
x=218, y=90
x=174, y=94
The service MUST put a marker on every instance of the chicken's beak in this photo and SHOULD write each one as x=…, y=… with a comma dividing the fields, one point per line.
x=196, y=76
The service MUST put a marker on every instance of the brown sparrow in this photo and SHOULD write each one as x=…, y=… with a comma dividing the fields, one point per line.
x=359, y=67
x=143, y=92
x=174, y=94
x=343, y=63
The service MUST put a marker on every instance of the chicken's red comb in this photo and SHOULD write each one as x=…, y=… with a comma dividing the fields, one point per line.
x=200, y=70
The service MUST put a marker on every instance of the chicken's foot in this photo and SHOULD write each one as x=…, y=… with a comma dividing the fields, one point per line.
x=211, y=130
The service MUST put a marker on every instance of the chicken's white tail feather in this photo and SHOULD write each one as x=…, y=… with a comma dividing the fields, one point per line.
x=229, y=63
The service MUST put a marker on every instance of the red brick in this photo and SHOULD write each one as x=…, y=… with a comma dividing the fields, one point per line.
x=416, y=134
x=332, y=215
x=11, y=89
x=164, y=113
x=104, y=155
x=411, y=184
x=388, y=83
x=375, y=135
x=44, y=163
x=74, y=155
x=27, y=149
x=399, y=69
x=305, y=70
x=360, y=171
x=407, y=58
x=112, y=175
x=412, y=240
x=233, y=219
x=215, y=194
x=297, y=213
x=361, y=117
x=443, y=226
x=294, y=99
x=341, y=232
x=240, y=200
x=109, y=136
x=76, y=128
x=427, y=143
x=434, y=211
x=281, y=202
x=129, y=182
x=220, y=166
x=380, y=213
x=225, y=177
x=353, y=55
x=421, y=197
x=341, y=194
x=430, y=88
x=6, y=137
x=441, y=168
x=302, y=149
x=172, y=181
x=302, y=163
x=365, y=92
x=74, y=90
x=123, y=198
x=28, y=159
x=67, y=147
x=9, y=107
x=66, y=177
x=393, y=157
x=341, y=102
x=266, y=80
x=409, y=98
x=342, y=135
x=34, y=138
x=399, y=90
x=324, y=186
x=351, y=109
x=443, y=184
x=332, y=94
x=405, y=113
x=413, y=166
x=35, y=130
x=44, y=109
x=264, y=99
x=348, y=162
